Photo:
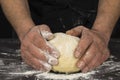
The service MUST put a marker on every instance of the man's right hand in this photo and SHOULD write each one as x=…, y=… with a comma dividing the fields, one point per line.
x=36, y=51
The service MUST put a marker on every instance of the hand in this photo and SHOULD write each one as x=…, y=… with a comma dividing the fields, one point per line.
x=92, y=49
x=36, y=51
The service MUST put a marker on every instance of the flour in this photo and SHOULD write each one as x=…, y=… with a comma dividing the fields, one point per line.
x=47, y=35
x=75, y=76
x=27, y=73
x=47, y=75
x=1, y=63
x=110, y=67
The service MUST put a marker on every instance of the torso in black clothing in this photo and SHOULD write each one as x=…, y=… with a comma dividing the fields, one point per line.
x=82, y=4
x=57, y=13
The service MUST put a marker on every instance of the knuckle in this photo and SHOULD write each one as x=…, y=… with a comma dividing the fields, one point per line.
x=85, y=30
x=76, y=29
x=106, y=55
x=34, y=64
x=78, y=53
x=85, y=61
x=79, y=50
x=49, y=47
x=38, y=67
x=32, y=31
x=25, y=44
x=70, y=32
x=32, y=37
x=80, y=27
x=38, y=42
x=91, y=66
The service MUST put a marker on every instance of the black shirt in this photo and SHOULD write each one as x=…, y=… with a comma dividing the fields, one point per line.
x=82, y=4
x=57, y=13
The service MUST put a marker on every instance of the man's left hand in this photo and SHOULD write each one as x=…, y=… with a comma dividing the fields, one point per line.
x=92, y=49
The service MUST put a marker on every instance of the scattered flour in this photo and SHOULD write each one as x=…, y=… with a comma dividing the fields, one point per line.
x=52, y=76
x=76, y=76
x=27, y=73
x=109, y=67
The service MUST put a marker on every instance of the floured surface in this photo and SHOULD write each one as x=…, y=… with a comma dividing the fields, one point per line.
x=110, y=70
x=65, y=76
x=12, y=68
x=109, y=67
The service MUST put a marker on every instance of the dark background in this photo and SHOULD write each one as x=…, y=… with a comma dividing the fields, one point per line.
x=6, y=31
x=5, y=27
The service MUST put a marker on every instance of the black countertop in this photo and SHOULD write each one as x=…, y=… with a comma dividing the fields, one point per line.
x=13, y=68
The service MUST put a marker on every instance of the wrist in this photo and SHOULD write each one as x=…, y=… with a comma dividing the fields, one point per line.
x=104, y=27
x=23, y=29
x=106, y=34
x=21, y=33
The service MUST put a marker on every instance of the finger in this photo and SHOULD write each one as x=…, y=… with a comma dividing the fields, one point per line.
x=28, y=62
x=47, y=35
x=50, y=59
x=45, y=46
x=28, y=46
x=75, y=31
x=103, y=58
x=106, y=55
x=93, y=62
x=37, y=39
x=44, y=27
x=34, y=51
x=35, y=63
x=45, y=31
x=99, y=59
x=53, y=51
x=42, y=55
x=84, y=43
x=87, y=58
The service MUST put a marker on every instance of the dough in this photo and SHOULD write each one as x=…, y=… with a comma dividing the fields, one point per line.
x=66, y=45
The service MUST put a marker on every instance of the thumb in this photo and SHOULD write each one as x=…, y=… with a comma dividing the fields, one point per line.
x=47, y=35
x=45, y=32
x=75, y=31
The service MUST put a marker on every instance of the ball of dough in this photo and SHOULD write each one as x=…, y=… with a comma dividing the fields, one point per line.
x=66, y=45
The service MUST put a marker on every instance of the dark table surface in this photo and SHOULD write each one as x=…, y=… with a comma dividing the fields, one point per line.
x=13, y=68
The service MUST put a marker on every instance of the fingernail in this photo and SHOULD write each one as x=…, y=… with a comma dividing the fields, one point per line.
x=50, y=37
x=56, y=54
x=47, y=35
x=85, y=70
x=81, y=65
x=77, y=54
x=53, y=61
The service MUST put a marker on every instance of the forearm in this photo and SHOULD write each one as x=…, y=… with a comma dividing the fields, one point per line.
x=18, y=14
x=107, y=16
